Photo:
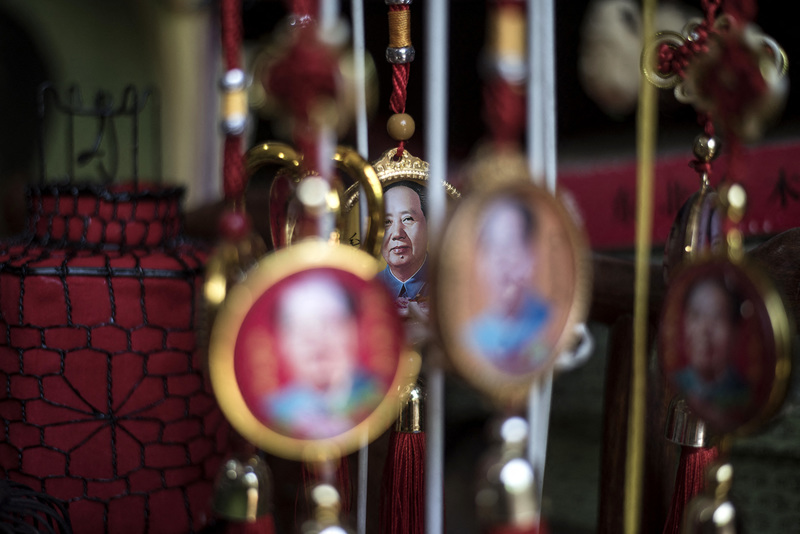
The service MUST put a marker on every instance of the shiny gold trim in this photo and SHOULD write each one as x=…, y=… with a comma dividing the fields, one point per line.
x=272, y=153
x=273, y=268
x=451, y=288
x=649, y=60
x=348, y=161
x=366, y=177
x=412, y=411
x=389, y=170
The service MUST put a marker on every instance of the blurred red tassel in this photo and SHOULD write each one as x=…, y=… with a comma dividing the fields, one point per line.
x=516, y=529
x=262, y=525
x=689, y=481
x=403, y=491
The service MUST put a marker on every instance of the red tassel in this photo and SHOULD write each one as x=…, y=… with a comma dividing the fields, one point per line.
x=689, y=481
x=403, y=491
x=262, y=525
x=515, y=529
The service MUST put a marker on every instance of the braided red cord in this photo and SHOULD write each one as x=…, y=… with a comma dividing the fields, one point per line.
x=400, y=75
x=299, y=79
x=231, y=27
x=504, y=111
x=676, y=60
x=233, y=171
x=503, y=101
x=233, y=174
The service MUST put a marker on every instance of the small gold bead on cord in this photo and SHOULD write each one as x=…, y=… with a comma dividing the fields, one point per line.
x=400, y=126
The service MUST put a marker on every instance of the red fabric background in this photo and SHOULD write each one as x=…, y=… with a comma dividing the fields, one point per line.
x=605, y=193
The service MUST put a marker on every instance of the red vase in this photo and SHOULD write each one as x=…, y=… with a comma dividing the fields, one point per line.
x=105, y=404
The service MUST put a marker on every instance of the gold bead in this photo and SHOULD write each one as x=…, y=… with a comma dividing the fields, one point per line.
x=706, y=148
x=400, y=126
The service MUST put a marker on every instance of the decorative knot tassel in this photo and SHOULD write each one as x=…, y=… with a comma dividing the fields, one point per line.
x=689, y=482
x=403, y=491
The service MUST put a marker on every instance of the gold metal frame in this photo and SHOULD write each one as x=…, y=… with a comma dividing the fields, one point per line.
x=272, y=269
x=782, y=328
x=348, y=161
x=451, y=289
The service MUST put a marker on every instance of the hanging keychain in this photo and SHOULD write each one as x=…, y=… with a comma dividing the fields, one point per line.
x=735, y=76
x=307, y=355
x=404, y=182
x=512, y=276
x=404, y=179
x=243, y=485
x=725, y=345
x=725, y=335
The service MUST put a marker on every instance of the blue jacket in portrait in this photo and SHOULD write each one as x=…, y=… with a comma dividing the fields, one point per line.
x=510, y=343
x=302, y=412
x=415, y=286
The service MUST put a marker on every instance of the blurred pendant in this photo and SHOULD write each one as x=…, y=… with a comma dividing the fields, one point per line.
x=512, y=281
x=307, y=356
x=725, y=338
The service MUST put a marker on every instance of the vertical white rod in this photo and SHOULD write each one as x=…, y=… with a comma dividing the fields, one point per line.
x=362, y=145
x=363, y=466
x=535, y=92
x=541, y=117
x=328, y=15
x=548, y=44
x=434, y=461
x=360, y=71
x=436, y=79
x=436, y=85
x=362, y=131
x=539, y=417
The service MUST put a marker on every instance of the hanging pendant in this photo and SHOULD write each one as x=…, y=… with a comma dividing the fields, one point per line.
x=404, y=248
x=512, y=279
x=305, y=356
x=725, y=339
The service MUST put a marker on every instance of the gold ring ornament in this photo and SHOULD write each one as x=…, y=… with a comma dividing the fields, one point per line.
x=285, y=208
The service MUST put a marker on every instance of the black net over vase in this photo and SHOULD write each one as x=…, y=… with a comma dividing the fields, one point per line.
x=105, y=404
